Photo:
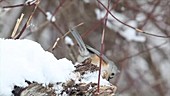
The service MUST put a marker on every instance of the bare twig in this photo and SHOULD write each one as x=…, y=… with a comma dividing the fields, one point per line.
x=149, y=49
x=42, y=25
x=17, y=25
x=53, y=23
x=102, y=47
x=58, y=7
x=28, y=21
x=138, y=30
x=27, y=3
x=58, y=39
x=12, y=6
x=98, y=23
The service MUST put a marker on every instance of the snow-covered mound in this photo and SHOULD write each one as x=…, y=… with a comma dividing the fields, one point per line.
x=22, y=60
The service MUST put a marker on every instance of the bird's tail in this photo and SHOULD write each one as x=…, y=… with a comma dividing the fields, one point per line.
x=83, y=50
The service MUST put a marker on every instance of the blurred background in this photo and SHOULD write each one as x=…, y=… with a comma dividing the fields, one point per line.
x=144, y=60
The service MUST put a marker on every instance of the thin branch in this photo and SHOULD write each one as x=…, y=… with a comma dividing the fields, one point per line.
x=136, y=29
x=58, y=39
x=42, y=11
x=53, y=23
x=28, y=21
x=29, y=3
x=158, y=46
x=57, y=8
x=12, y=6
x=102, y=48
x=98, y=23
x=42, y=25
x=17, y=25
x=57, y=27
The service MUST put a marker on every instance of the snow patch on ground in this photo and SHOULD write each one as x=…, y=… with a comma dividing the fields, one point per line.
x=93, y=77
x=22, y=60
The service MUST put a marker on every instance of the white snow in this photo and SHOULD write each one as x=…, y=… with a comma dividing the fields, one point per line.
x=68, y=41
x=50, y=17
x=30, y=2
x=22, y=60
x=140, y=17
x=93, y=77
x=86, y=1
x=25, y=60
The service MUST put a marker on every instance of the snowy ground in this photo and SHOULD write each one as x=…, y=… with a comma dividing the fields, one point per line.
x=22, y=60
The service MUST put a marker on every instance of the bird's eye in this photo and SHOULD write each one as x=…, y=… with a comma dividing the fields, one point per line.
x=113, y=74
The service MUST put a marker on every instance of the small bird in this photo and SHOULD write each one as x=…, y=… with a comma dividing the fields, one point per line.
x=87, y=53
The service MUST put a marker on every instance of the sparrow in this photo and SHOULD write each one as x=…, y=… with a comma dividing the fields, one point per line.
x=87, y=53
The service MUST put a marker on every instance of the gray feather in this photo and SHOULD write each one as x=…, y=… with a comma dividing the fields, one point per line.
x=83, y=50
